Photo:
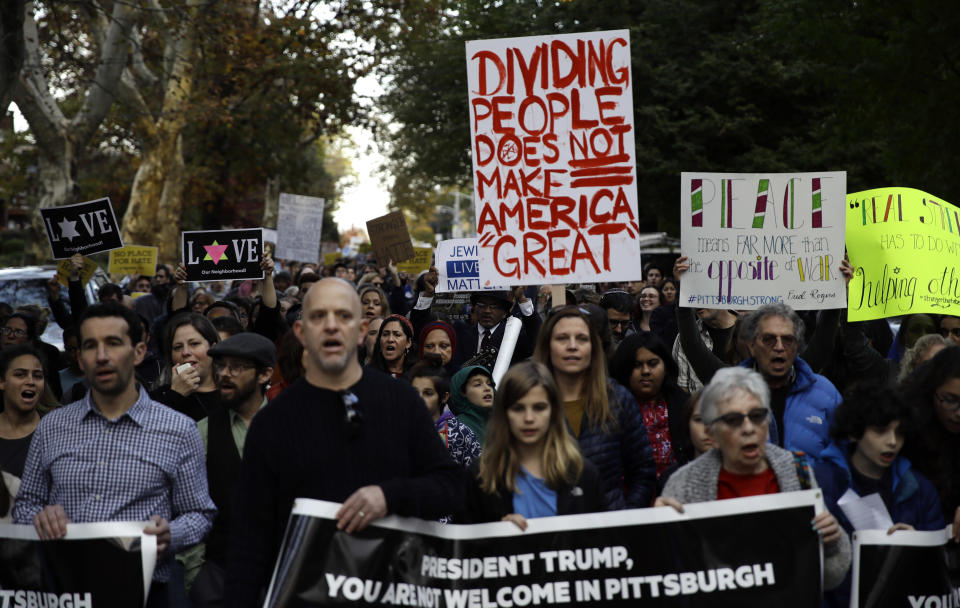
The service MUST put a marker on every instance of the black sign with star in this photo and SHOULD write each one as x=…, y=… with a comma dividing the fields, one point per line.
x=222, y=255
x=83, y=228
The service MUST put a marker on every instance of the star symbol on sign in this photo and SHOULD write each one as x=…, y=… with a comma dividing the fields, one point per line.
x=68, y=229
x=215, y=252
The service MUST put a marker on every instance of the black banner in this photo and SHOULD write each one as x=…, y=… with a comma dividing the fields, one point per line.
x=83, y=228
x=909, y=569
x=101, y=565
x=743, y=552
x=222, y=255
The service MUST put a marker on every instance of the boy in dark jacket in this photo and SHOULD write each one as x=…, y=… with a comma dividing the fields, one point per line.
x=868, y=434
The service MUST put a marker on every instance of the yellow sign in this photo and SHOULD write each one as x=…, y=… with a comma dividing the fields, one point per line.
x=904, y=245
x=134, y=259
x=63, y=270
x=329, y=259
x=419, y=262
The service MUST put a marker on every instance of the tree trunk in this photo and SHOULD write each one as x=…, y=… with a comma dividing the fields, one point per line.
x=56, y=187
x=271, y=203
x=60, y=140
x=154, y=214
x=12, y=51
x=171, y=204
x=156, y=199
x=140, y=220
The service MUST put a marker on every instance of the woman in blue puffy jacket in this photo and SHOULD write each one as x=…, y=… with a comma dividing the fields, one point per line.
x=601, y=414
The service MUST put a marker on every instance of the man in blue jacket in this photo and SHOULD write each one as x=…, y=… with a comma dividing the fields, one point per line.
x=802, y=401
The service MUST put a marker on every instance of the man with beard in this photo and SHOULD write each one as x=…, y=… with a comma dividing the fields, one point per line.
x=620, y=306
x=342, y=433
x=802, y=401
x=242, y=366
x=117, y=455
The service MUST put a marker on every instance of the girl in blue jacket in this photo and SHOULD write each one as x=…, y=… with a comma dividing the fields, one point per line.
x=868, y=433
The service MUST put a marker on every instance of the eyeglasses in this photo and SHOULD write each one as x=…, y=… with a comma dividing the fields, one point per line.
x=615, y=323
x=951, y=402
x=770, y=341
x=945, y=332
x=735, y=420
x=234, y=369
x=17, y=333
x=352, y=419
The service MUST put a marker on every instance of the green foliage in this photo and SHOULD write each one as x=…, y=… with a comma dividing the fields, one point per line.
x=718, y=85
x=268, y=91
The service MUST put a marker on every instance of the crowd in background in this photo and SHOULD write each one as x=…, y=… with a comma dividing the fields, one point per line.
x=617, y=392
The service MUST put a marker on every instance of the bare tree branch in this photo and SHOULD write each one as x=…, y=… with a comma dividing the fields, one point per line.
x=113, y=59
x=32, y=95
x=140, y=69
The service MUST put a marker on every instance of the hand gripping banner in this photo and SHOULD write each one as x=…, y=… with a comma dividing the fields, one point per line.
x=756, y=551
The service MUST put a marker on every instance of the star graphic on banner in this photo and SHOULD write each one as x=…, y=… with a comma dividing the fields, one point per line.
x=215, y=252
x=68, y=229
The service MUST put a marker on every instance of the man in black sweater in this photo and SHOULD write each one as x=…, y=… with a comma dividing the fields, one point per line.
x=341, y=433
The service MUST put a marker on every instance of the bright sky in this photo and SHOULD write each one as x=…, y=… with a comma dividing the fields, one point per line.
x=369, y=197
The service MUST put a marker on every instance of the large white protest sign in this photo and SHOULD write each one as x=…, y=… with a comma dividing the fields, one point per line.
x=458, y=267
x=299, y=222
x=551, y=127
x=760, y=238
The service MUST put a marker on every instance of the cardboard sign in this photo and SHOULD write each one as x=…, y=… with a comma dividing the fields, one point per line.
x=904, y=245
x=133, y=259
x=85, y=228
x=703, y=558
x=458, y=267
x=269, y=235
x=86, y=273
x=422, y=256
x=222, y=255
x=554, y=167
x=760, y=238
x=299, y=223
x=390, y=238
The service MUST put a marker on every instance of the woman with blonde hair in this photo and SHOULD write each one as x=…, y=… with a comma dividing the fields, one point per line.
x=602, y=414
x=530, y=465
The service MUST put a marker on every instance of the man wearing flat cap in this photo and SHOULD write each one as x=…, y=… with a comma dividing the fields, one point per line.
x=242, y=365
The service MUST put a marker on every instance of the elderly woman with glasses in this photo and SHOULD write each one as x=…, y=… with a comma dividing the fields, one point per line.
x=736, y=409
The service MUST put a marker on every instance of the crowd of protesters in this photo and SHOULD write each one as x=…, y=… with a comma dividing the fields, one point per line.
x=617, y=398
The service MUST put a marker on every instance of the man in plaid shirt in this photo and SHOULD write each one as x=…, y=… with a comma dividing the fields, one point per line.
x=117, y=455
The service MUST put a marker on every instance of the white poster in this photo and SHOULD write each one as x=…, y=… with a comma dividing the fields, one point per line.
x=299, y=222
x=760, y=238
x=551, y=127
x=458, y=267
